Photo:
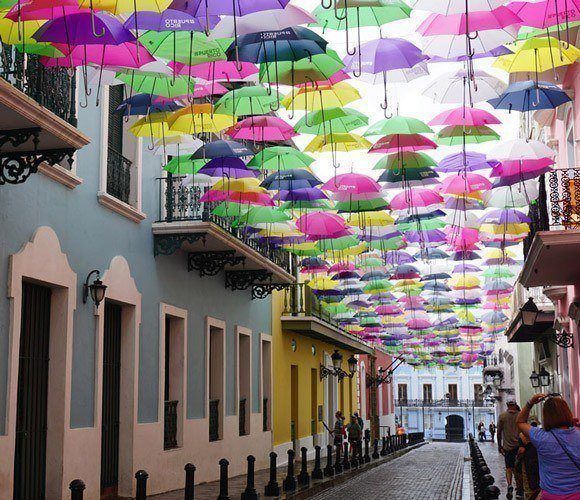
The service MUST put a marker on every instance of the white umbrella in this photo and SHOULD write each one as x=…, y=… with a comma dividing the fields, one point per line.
x=518, y=195
x=520, y=149
x=266, y=20
x=447, y=7
x=449, y=88
x=448, y=46
x=176, y=146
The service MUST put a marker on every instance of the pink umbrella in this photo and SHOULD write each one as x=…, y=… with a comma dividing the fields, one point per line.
x=262, y=129
x=43, y=9
x=460, y=24
x=347, y=196
x=466, y=116
x=320, y=224
x=415, y=198
x=464, y=183
x=238, y=197
x=124, y=55
x=352, y=184
x=402, y=143
x=462, y=239
x=339, y=76
x=546, y=13
x=521, y=167
x=341, y=266
x=217, y=71
x=205, y=89
x=388, y=310
x=418, y=324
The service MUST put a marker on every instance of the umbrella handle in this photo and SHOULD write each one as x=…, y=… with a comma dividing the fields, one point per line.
x=325, y=5
x=340, y=18
x=93, y=26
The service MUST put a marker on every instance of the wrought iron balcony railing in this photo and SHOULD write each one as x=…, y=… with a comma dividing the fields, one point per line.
x=179, y=202
x=119, y=172
x=52, y=88
x=243, y=431
x=170, y=425
x=558, y=203
x=265, y=417
x=214, y=419
x=450, y=403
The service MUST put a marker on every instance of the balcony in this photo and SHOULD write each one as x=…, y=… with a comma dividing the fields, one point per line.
x=443, y=403
x=303, y=314
x=517, y=331
x=554, y=238
x=213, y=245
x=37, y=116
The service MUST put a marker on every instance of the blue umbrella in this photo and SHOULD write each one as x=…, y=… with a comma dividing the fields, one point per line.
x=143, y=104
x=530, y=96
x=290, y=44
x=217, y=149
x=288, y=180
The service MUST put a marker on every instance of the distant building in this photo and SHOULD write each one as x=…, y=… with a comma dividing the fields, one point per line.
x=445, y=404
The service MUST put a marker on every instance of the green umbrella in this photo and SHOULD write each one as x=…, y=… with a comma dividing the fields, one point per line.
x=424, y=225
x=372, y=262
x=339, y=308
x=39, y=49
x=401, y=125
x=311, y=206
x=333, y=120
x=158, y=84
x=247, y=101
x=497, y=272
x=230, y=209
x=376, y=13
x=409, y=160
x=395, y=243
x=378, y=286
x=262, y=215
x=529, y=32
x=187, y=47
x=183, y=165
x=337, y=244
x=406, y=174
x=457, y=135
x=310, y=69
x=361, y=205
x=280, y=158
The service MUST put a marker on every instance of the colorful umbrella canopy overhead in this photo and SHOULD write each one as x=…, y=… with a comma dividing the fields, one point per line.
x=417, y=249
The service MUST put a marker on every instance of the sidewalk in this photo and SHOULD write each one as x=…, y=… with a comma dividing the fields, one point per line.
x=495, y=462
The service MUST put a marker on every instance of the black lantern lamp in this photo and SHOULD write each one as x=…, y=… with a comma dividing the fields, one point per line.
x=535, y=379
x=96, y=289
x=336, y=360
x=497, y=380
x=337, y=370
x=352, y=364
x=544, y=377
x=529, y=312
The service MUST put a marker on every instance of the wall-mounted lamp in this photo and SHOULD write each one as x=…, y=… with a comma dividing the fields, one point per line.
x=336, y=370
x=541, y=379
x=529, y=312
x=383, y=376
x=96, y=289
x=535, y=379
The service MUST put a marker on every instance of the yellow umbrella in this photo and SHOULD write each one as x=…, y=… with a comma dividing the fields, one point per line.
x=498, y=253
x=538, y=55
x=125, y=6
x=466, y=282
x=337, y=142
x=321, y=283
x=512, y=228
x=308, y=247
x=198, y=118
x=321, y=97
x=356, y=250
x=363, y=220
x=19, y=33
x=153, y=125
x=243, y=185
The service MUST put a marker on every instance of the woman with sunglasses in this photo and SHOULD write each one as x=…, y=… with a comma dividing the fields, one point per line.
x=558, y=446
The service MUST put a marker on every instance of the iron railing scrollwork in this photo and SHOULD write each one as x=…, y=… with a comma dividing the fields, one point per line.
x=52, y=88
x=170, y=425
x=450, y=403
x=214, y=419
x=265, y=418
x=119, y=172
x=242, y=418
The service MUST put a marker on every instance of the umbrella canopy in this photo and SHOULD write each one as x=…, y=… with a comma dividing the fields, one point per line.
x=531, y=95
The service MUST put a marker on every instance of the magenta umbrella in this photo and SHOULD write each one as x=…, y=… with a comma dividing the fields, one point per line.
x=461, y=24
x=464, y=183
x=546, y=13
x=32, y=11
x=262, y=129
x=402, y=143
x=321, y=224
x=466, y=116
x=124, y=55
x=415, y=198
x=205, y=89
x=352, y=184
x=217, y=71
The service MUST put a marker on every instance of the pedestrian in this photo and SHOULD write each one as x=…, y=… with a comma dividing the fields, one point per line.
x=529, y=467
x=507, y=444
x=492, y=431
x=360, y=421
x=481, y=431
x=355, y=436
x=558, y=447
x=338, y=431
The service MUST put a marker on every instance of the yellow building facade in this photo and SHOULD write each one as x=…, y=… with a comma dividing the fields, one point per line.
x=303, y=402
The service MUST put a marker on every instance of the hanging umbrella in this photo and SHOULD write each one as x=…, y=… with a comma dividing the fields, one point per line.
x=124, y=6
x=321, y=224
x=166, y=20
x=321, y=97
x=453, y=87
x=230, y=167
x=289, y=180
x=464, y=183
x=546, y=13
x=124, y=55
x=216, y=71
x=337, y=142
x=408, y=160
x=304, y=71
x=448, y=7
x=221, y=148
x=339, y=120
x=531, y=95
x=33, y=11
x=158, y=84
x=262, y=129
x=460, y=135
x=464, y=161
x=253, y=100
x=398, y=125
x=143, y=104
x=280, y=158
x=352, y=184
x=520, y=149
x=402, y=143
x=468, y=22
x=465, y=116
x=415, y=198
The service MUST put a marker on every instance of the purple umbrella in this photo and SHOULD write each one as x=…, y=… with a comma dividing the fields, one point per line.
x=399, y=257
x=498, y=51
x=466, y=268
x=227, y=166
x=168, y=20
x=505, y=216
x=84, y=28
x=465, y=161
x=428, y=236
x=381, y=56
x=303, y=194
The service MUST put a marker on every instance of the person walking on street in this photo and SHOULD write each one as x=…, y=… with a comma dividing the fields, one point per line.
x=360, y=421
x=481, y=431
x=338, y=432
x=558, y=447
x=492, y=431
x=354, y=436
x=507, y=443
x=528, y=458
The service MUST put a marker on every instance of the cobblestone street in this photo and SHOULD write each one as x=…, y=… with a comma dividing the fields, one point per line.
x=432, y=472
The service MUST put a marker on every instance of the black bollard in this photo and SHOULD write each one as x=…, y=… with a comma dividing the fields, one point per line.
x=272, y=489
x=250, y=492
x=317, y=471
x=289, y=483
x=345, y=460
x=337, y=462
x=141, y=490
x=367, y=457
x=354, y=454
x=376, y=455
x=77, y=488
x=224, y=464
x=303, y=477
x=189, y=491
x=492, y=492
x=329, y=469
x=384, y=447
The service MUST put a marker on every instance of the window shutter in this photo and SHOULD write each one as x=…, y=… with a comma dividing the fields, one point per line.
x=116, y=93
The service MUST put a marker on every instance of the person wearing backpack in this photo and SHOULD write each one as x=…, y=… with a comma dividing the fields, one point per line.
x=558, y=447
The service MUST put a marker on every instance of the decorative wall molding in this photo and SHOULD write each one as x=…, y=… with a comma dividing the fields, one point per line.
x=120, y=207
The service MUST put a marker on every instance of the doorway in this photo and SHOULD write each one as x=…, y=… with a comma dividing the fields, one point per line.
x=454, y=428
x=293, y=402
x=32, y=399
x=111, y=399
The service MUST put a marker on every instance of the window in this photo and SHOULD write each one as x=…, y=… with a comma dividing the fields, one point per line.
x=402, y=392
x=216, y=389
x=427, y=392
x=570, y=143
x=452, y=391
x=118, y=167
x=244, y=380
x=478, y=392
x=266, y=370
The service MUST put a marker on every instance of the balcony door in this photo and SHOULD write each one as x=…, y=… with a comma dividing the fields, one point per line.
x=427, y=393
x=32, y=402
x=111, y=400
